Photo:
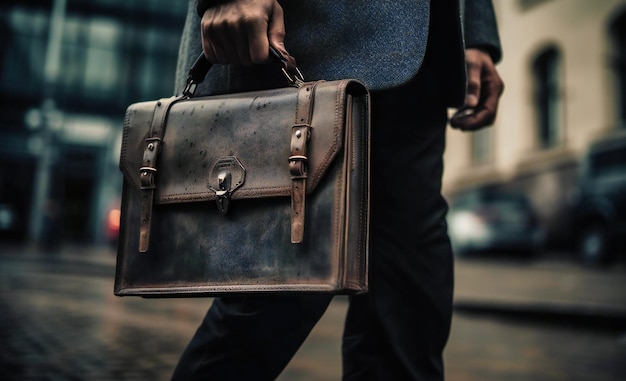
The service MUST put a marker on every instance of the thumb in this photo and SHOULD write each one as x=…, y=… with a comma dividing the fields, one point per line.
x=276, y=35
x=473, y=86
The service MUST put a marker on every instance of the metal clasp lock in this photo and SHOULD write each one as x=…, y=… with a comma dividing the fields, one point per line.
x=223, y=192
x=225, y=177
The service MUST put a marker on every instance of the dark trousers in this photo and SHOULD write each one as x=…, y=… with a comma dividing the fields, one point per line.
x=397, y=331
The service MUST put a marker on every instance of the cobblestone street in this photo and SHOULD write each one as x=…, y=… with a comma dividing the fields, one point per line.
x=61, y=321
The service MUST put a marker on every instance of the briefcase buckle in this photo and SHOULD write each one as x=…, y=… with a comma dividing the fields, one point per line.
x=225, y=177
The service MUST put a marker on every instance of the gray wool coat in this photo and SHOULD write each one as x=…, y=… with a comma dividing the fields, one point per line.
x=382, y=43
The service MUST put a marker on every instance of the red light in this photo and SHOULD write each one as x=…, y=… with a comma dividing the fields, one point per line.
x=114, y=220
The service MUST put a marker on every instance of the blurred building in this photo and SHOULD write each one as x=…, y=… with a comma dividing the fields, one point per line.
x=69, y=68
x=565, y=73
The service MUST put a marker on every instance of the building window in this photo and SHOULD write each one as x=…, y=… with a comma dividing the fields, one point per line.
x=25, y=36
x=547, y=97
x=618, y=35
x=528, y=4
x=102, y=56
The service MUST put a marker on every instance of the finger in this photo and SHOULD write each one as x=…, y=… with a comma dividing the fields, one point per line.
x=473, y=84
x=209, y=53
x=466, y=116
x=218, y=54
x=484, y=83
x=474, y=119
x=477, y=120
x=236, y=44
x=258, y=43
x=276, y=34
x=223, y=38
x=211, y=45
x=485, y=113
x=243, y=51
x=207, y=47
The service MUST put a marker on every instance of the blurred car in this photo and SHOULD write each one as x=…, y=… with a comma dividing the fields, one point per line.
x=488, y=220
x=598, y=207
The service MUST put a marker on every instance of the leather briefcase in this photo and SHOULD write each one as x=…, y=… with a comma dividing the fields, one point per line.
x=264, y=191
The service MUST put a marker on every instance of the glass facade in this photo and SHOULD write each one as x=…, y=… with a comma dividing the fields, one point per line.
x=62, y=106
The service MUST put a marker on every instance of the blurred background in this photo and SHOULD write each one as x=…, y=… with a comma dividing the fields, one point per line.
x=559, y=142
x=69, y=70
x=537, y=202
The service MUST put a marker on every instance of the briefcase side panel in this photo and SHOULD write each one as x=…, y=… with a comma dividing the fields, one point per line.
x=349, y=103
x=357, y=195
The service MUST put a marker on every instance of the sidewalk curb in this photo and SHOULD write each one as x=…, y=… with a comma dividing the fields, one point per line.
x=574, y=315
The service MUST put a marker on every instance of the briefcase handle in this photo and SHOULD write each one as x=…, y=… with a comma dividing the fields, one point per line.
x=201, y=67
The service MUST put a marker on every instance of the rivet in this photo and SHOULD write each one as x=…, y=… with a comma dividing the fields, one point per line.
x=151, y=146
x=298, y=134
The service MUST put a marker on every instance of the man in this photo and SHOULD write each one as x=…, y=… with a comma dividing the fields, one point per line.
x=411, y=55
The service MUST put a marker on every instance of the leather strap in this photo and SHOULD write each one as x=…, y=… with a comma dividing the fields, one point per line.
x=300, y=135
x=148, y=169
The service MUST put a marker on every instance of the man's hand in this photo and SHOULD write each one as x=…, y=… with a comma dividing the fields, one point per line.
x=484, y=88
x=241, y=32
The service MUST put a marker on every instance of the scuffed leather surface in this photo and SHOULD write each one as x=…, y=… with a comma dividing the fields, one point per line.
x=196, y=251
x=250, y=126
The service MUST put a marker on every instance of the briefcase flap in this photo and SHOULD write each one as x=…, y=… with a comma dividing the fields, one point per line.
x=237, y=143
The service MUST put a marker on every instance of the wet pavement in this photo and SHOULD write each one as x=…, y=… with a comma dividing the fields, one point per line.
x=542, y=319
